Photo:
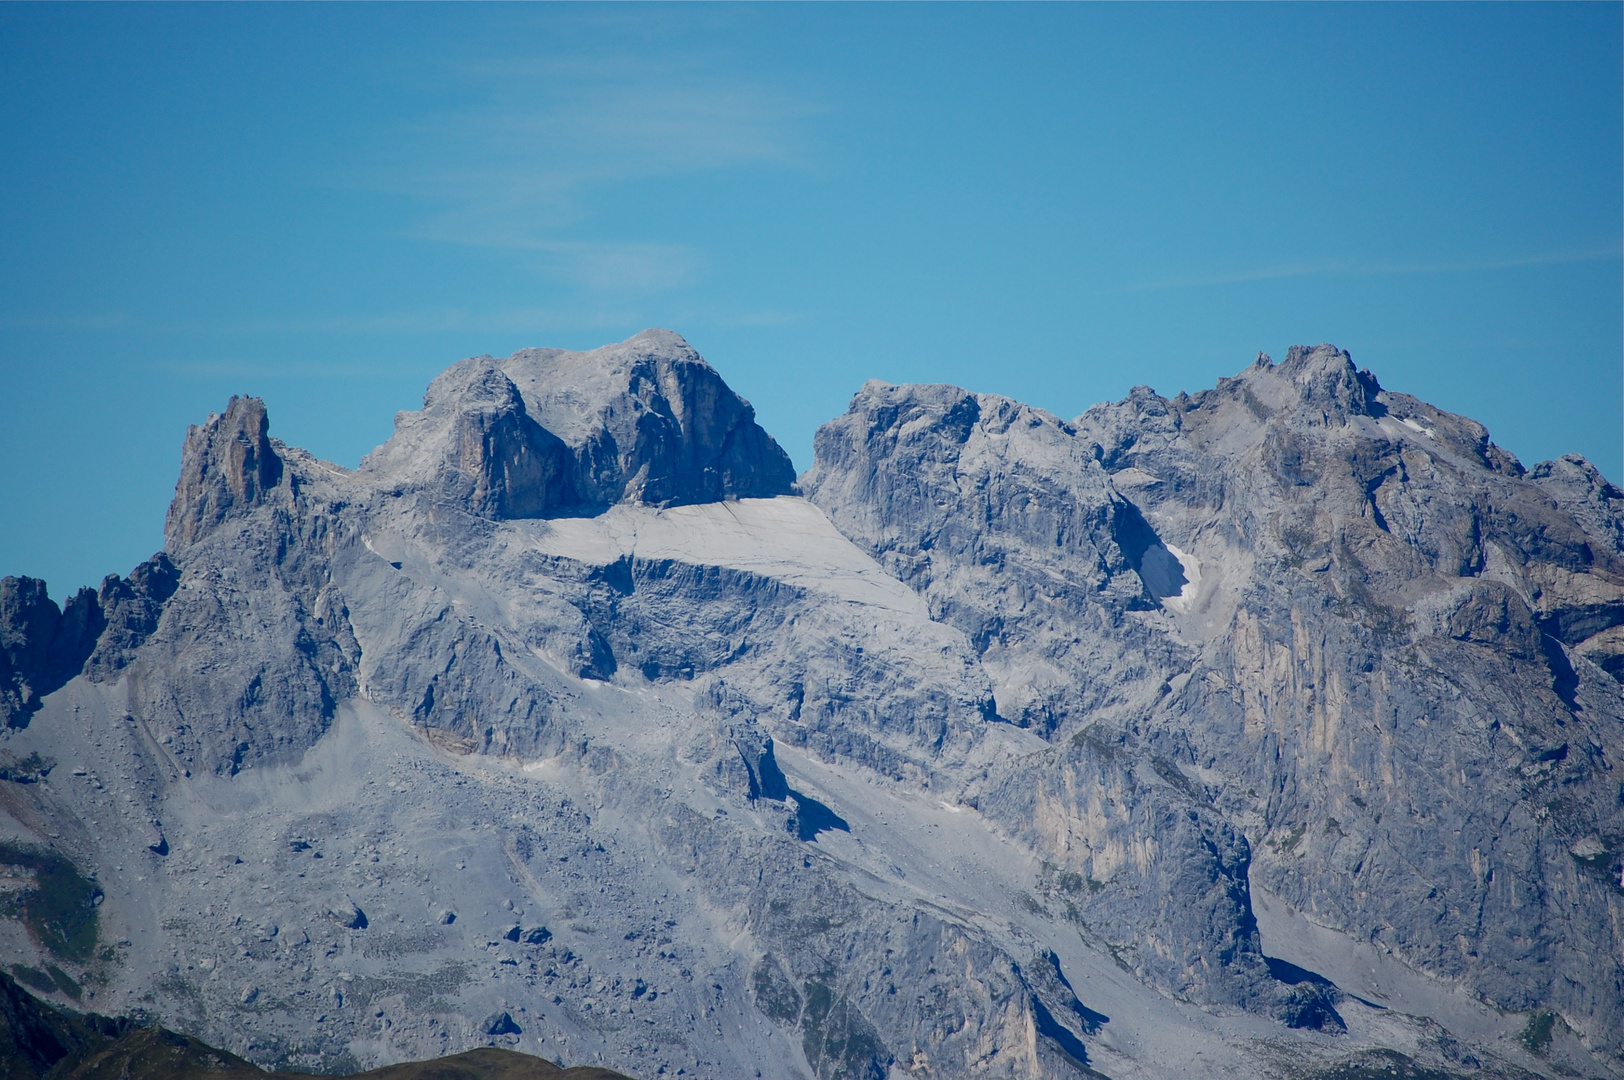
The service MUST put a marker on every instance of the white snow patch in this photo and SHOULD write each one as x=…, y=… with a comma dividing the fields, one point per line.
x=1134, y=477
x=785, y=538
x=1192, y=581
x=1393, y=425
x=1413, y=426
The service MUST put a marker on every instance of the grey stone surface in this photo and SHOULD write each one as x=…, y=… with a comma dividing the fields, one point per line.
x=1390, y=669
x=547, y=432
x=41, y=646
x=94, y=633
x=1236, y=734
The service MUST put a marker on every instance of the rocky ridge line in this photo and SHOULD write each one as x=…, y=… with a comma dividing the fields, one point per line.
x=1298, y=637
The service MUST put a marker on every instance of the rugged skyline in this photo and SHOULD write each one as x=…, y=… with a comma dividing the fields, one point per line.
x=323, y=207
x=1266, y=730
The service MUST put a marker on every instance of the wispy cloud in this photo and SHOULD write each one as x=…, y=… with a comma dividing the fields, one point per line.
x=532, y=162
x=1369, y=268
x=425, y=321
x=230, y=368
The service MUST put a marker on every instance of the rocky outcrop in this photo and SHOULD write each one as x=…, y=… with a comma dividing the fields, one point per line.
x=651, y=422
x=1388, y=636
x=227, y=465
x=548, y=432
x=43, y=646
x=129, y=611
x=476, y=441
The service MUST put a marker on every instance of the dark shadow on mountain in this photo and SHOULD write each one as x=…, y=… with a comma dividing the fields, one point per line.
x=1292, y=975
x=812, y=817
x=1091, y=1019
x=1564, y=680
x=1158, y=569
x=1311, y=1004
x=1052, y=1029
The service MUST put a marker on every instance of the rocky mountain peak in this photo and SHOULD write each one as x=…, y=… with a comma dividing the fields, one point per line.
x=228, y=462
x=650, y=422
x=474, y=383
x=550, y=431
x=1325, y=376
x=476, y=445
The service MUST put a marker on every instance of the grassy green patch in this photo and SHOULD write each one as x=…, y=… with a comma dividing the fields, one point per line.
x=64, y=982
x=1290, y=840
x=1536, y=1036
x=838, y=1039
x=1069, y=881
x=775, y=995
x=1030, y=903
x=1384, y=1065
x=28, y=770
x=59, y=909
x=33, y=978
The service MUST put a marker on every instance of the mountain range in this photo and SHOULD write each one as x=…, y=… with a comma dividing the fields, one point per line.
x=1266, y=731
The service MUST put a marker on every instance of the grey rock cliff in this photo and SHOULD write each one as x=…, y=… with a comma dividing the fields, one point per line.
x=94, y=633
x=549, y=432
x=649, y=420
x=1268, y=731
x=1387, y=661
x=41, y=645
x=228, y=464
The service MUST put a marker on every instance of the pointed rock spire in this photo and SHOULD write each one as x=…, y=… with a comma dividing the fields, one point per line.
x=227, y=463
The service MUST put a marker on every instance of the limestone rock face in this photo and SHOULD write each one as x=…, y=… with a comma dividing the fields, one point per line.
x=228, y=464
x=477, y=442
x=1267, y=731
x=94, y=633
x=548, y=432
x=1386, y=662
x=649, y=421
x=41, y=646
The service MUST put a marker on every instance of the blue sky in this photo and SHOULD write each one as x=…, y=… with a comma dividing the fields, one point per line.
x=325, y=205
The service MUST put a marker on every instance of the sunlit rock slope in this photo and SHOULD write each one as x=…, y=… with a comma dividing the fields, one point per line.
x=1269, y=731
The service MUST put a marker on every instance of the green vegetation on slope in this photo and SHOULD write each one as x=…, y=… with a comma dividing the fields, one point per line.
x=59, y=908
x=39, y=1042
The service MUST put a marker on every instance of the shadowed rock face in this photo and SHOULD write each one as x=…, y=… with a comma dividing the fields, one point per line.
x=40, y=647
x=651, y=422
x=562, y=724
x=43, y=646
x=548, y=432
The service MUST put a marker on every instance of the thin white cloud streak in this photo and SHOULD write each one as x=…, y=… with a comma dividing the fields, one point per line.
x=267, y=370
x=540, y=321
x=1357, y=268
x=449, y=320
x=529, y=167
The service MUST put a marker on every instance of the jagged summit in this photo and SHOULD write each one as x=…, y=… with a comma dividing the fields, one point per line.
x=547, y=431
x=228, y=462
x=1268, y=730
